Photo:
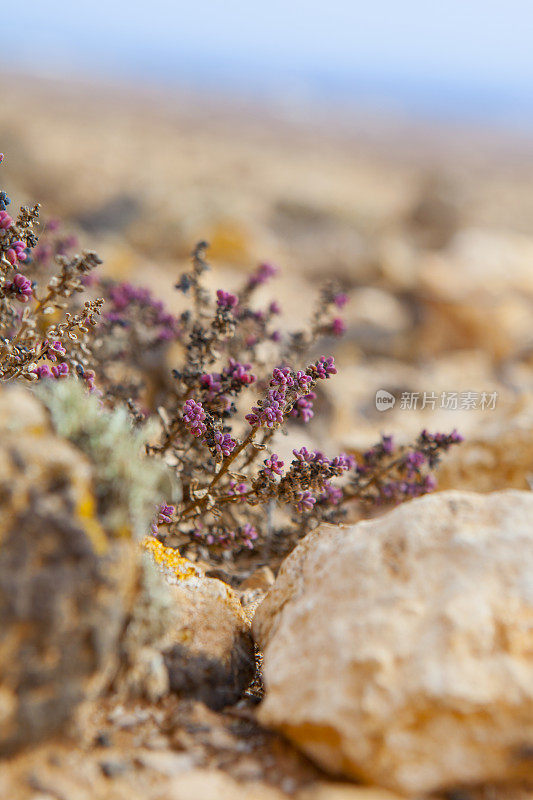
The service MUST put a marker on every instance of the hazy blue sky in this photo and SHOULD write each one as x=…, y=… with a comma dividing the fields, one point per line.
x=441, y=52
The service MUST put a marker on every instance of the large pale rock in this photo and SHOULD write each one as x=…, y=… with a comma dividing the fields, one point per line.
x=400, y=650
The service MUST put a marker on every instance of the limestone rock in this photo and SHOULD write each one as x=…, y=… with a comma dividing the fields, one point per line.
x=215, y=785
x=208, y=650
x=400, y=650
x=326, y=790
x=496, y=454
x=67, y=575
x=209, y=784
x=252, y=591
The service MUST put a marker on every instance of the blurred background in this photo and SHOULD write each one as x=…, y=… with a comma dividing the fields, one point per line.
x=388, y=145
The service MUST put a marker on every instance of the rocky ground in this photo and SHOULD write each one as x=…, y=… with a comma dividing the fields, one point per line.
x=398, y=653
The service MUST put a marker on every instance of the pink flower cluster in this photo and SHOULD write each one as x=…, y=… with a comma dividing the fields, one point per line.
x=332, y=495
x=55, y=349
x=87, y=375
x=340, y=299
x=5, y=221
x=237, y=488
x=305, y=502
x=245, y=536
x=58, y=371
x=194, y=415
x=303, y=407
x=238, y=373
x=339, y=464
x=338, y=327
x=283, y=378
x=270, y=412
x=262, y=275
x=224, y=444
x=226, y=300
x=273, y=466
x=324, y=368
x=124, y=295
x=164, y=517
x=20, y=287
x=397, y=491
x=16, y=252
x=211, y=382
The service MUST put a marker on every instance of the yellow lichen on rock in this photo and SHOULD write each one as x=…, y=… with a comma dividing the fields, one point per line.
x=168, y=560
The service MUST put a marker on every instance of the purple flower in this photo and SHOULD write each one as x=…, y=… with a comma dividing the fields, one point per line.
x=350, y=461
x=165, y=514
x=60, y=370
x=442, y=439
x=387, y=443
x=303, y=380
x=226, y=300
x=323, y=368
x=340, y=299
x=17, y=252
x=413, y=461
x=303, y=408
x=274, y=307
x=305, y=502
x=55, y=349
x=224, y=444
x=303, y=455
x=248, y=535
x=343, y=462
x=430, y=483
x=194, y=415
x=211, y=382
x=5, y=221
x=239, y=373
x=237, y=488
x=21, y=288
x=43, y=371
x=270, y=412
x=88, y=376
x=338, y=327
x=263, y=273
x=320, y=458
x=281, y=376
x=273, y=466
x=332, y=494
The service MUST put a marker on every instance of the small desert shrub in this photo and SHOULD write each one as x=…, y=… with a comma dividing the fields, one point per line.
x=217, y=411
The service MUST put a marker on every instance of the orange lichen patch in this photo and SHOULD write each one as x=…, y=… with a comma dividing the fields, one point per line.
x=229, y=241
x=172, y=565
x=86, y=511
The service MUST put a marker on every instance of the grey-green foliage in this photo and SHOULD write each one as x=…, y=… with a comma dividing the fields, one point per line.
x=155, y=609
x=128, y=485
